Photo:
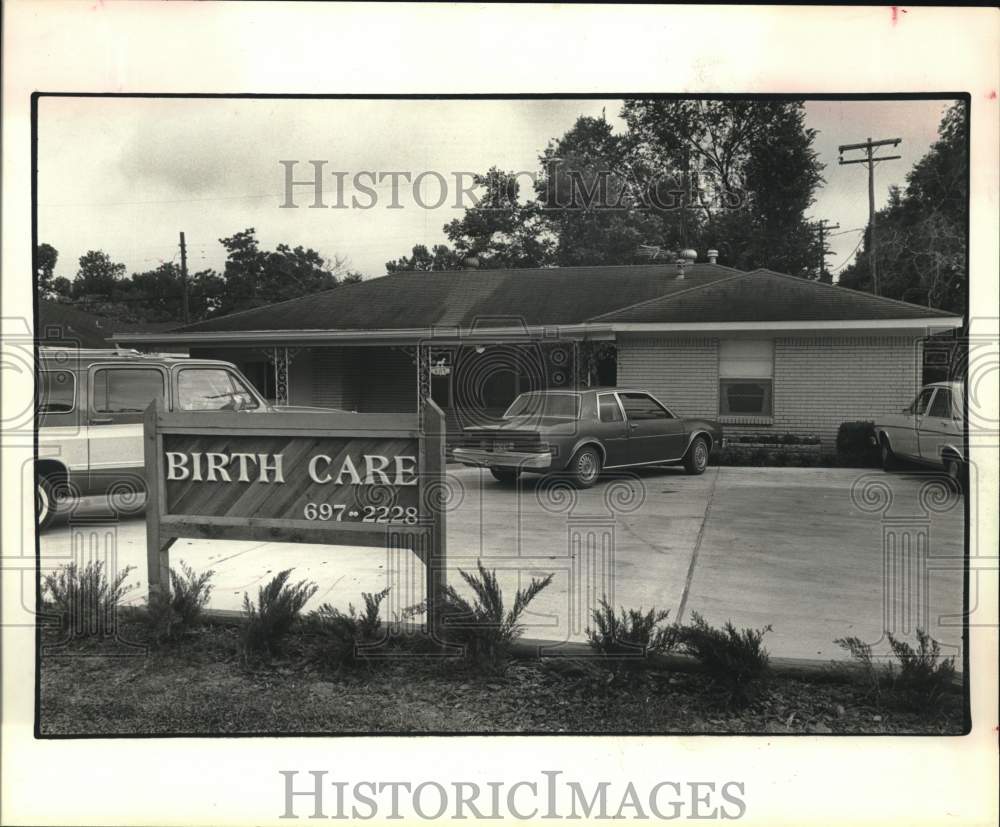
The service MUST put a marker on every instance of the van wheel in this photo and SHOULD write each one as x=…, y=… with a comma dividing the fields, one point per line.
x=889, y=460
x=505, y=475
x=45, y=502
x=585, y=467
x=957, y=472
x=696, y=459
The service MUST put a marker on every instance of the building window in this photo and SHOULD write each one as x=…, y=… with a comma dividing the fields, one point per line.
x=746, y=377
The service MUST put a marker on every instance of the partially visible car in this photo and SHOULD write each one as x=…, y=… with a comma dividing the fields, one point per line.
x=89, y=412
x=928, y=431
x=583, y=433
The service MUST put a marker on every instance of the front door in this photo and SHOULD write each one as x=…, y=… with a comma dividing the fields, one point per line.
x=654, y=434
x=119, y=396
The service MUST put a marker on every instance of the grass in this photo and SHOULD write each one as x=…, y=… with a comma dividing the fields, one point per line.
x=203, y=687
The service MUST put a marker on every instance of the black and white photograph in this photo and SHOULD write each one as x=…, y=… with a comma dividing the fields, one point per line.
x=678, y=383
x=359, y=415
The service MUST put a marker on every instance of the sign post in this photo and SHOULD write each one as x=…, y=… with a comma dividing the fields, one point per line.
x=318, y=477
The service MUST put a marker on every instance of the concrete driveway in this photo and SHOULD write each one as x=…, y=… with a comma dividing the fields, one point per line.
x=817, y=553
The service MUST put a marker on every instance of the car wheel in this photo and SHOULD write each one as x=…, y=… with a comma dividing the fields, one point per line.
x=956, y=471
x=507, y=475
x=696, y=459
x=45, y=502
x=889, y=461
x=585, y=467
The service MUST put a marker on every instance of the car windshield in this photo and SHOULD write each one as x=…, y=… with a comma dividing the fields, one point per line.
x=560, y=405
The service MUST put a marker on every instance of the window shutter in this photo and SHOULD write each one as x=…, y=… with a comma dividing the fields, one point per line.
x=746, y=359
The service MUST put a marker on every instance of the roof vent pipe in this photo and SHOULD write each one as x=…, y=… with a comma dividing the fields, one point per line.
x=684, y=258
x=713, y=256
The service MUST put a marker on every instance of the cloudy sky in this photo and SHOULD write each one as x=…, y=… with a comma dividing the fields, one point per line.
x=126, y=175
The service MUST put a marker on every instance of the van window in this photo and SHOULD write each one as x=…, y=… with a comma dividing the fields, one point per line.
x=941, y=406
x=212, y=389
x=57, y=391
x=126, y=390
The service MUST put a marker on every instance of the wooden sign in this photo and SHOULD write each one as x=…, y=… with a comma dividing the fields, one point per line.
x=318, y=477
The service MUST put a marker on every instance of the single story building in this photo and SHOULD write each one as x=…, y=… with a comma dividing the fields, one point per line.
x=760, y=351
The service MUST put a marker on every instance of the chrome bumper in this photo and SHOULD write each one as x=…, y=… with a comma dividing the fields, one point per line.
x=506, y=459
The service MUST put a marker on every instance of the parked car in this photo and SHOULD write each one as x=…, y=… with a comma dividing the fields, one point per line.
x=582, y=433
x=90, y=407
x=928, y=431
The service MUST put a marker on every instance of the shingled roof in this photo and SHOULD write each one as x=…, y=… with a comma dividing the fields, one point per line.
x=708, y=293
x=766, y=296
x=463, y=298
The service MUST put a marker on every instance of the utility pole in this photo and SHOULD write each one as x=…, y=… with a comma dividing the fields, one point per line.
x=870, y=159
x=184, y=282
x=822, y=227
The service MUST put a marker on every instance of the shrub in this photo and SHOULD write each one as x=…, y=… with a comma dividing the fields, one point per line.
x=174, y=614
x=483, y=628
x=923, y=676
x=84, y=599
x=735, y=660
x=856, y=444
x=278, y=607
x=627, y=638
x=340, y=634
x=861, y=653
x=922, y=679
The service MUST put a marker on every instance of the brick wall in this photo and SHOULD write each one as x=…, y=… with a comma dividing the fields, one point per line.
x=819, y=382
x=682, y=372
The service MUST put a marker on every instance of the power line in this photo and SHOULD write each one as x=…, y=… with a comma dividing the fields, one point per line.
x=870, y=159
x=849, y=256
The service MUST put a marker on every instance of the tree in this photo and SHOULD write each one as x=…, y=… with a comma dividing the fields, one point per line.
x=440, y=257
x=500, y=231
x=46, y=257
x=750, y=172
x=920, y=234
x=598, y=199
x=98, y=276
x=256, y=277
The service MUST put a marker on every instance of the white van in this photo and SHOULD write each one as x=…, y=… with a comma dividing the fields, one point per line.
x=90, y=405
x=929, y=431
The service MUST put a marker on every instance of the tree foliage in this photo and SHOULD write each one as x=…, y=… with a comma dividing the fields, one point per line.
x=439, y=257
x=921, y=245
x=252, y=277
x=737, y=176
x=46, y=257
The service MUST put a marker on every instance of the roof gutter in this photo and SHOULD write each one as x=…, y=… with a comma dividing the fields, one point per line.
x=603, y=330
x=926, y=324
x=374, y=337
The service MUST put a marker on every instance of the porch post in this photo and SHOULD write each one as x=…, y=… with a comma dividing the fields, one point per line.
x=280, y=358
x=423, y=364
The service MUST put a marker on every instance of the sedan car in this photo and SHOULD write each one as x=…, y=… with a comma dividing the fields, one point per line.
x=582, y=433
x=928, y=431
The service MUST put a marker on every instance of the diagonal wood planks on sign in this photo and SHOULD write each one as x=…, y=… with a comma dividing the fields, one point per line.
x=327, y=477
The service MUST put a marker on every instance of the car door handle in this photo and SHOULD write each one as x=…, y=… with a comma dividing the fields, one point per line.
x=101, y=420
x=632, y=427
